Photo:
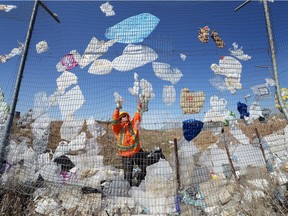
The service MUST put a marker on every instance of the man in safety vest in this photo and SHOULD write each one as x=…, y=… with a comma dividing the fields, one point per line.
x=127, y=137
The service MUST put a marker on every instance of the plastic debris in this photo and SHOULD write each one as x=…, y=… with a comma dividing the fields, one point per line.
x=203, y=34
x=4, y=110
x=94, y=50
x=107, y=8
x=218, y=110
x=118, y=100
x=134, y=56
x=191, y=102
x=242, y=109
x=146, y=93
x=261, y=91
x=65, y=80
x=71, y=101
x=7, y=8
x=100, y=67
x=69, y=61
x=135, y=90
x=218, y=41
x=191, y=128
x=238, y=52
x=232, y=69
x=183, y=56
x=15, y=51
x=165, y=72
x=169, y=94
x=42, y=46
x=133, y=29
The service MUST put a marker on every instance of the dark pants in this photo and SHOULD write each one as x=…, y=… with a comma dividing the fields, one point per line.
x=128, y=164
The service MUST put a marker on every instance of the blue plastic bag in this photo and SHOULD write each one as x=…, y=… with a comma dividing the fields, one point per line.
x=242, y=109
x=133, y=29
x=191, y=128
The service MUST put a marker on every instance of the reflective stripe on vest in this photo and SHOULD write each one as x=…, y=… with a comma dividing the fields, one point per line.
x=121, y=140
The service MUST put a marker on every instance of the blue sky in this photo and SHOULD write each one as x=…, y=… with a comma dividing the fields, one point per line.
x=176, y=33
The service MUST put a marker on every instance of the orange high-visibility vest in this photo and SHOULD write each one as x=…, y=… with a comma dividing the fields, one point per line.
x=127, y=135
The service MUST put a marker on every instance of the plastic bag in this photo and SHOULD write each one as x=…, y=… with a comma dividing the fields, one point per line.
x=133, y=29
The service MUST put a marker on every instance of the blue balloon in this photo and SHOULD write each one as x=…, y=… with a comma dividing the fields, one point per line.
x=243, y=110
x=133, y=29
x=191, y=128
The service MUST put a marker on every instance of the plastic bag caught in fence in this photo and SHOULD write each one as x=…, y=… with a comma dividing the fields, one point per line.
x=15, y=51
x=133, y=29
x=94, y=50
x=100, y=67
x=107, y=8
x=238, y=52
x=191, y=128
x=191, y=102
x=65, y=80
x=166, y=72
x=7, y=8
x=134, y=56
x=42, y=46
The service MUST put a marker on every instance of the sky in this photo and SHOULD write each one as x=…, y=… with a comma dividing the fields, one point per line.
x=175, y=34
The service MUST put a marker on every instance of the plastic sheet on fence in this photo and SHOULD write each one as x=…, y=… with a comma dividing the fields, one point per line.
x=164, y=71
x=107, y=8
x=231, y=68
x=134, y=56
x=133, y=29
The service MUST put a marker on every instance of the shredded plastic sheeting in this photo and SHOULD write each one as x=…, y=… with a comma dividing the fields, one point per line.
x=41, y=46
x=134, y=56
x=65, y=80
x=15, y=51
x=238, y=52
x=71, y=101
x=165, y=72
x=100, y=67
x=4, y=109
x=191, y=102
x=169, y=94
x=94, y=50
x=231, y=68
x=133, y=29
x=107, y=8
x=7, y=8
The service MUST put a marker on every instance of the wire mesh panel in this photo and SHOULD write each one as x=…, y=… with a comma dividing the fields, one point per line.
x=144, y=108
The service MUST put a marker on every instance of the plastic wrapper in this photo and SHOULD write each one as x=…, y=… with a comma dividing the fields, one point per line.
x=133, y=29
